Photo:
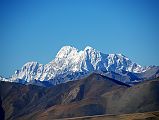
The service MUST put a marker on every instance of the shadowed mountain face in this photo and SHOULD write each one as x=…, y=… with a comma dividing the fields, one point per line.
x=93, y=95
x=2, y=113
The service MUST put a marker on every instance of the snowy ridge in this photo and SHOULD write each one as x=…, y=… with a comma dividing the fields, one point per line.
x=70, y=61
x=29, y=71
x=3, y=79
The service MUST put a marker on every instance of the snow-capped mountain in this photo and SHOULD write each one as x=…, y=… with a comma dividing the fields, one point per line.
x=70, y=63
x=3, y=79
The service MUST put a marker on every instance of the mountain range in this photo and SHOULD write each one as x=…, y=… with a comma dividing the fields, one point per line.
x=81, y=84
x=71, y=64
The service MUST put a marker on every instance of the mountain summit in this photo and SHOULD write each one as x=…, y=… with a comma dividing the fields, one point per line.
x=70, y=64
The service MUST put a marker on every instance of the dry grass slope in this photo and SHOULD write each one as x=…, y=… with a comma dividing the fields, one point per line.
x=133, y=116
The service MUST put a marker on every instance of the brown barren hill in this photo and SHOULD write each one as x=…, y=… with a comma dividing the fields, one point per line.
x=93, y=95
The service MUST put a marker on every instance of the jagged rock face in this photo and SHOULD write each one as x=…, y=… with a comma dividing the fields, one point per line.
x=69, y=62
x=71, y=95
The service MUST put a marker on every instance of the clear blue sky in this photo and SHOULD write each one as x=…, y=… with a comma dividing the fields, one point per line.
x=34, y=30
